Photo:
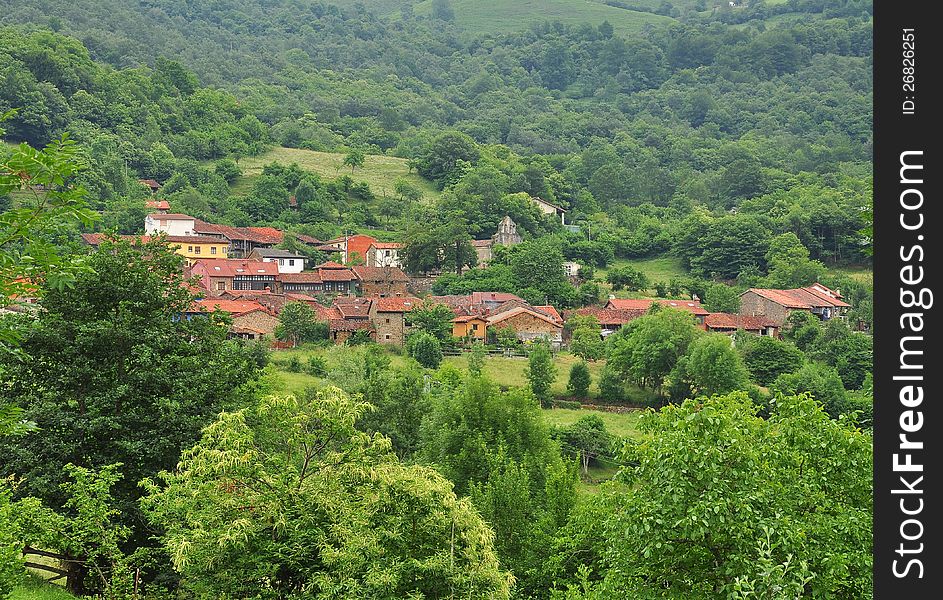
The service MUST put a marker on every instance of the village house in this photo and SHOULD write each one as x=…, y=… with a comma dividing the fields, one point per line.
x=350, y=248
x=288, y=261
x=150, y=184
x=777, y=305
x=347, y=316
x=222, y=275
x=692, y=306
x=192, y=247
x=326, y=278
x=728, y=324
x=529, y=325
x=549, y=208
x=250, y=320
x=389, y=318
x=384, y=254
x=170, y=223
x=381, y=282
x=610, y=320
x=470, y=326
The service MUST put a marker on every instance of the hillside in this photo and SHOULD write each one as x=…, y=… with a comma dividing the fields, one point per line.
x=380, y=172
x=499, y=16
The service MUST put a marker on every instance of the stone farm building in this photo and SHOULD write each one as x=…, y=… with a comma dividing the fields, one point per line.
x=777, y=305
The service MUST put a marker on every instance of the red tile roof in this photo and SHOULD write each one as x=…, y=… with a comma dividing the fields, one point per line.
x=692, y=306
x=231, y=267
x=256, y=235
x=336, y=275
x=467, y=318
x=550, y=311
x=610, y=317
x=307, y=239
x=158, y=204
x=331, y=265
x=386, y=245
x=380, y=274
x=170, y=217
x=303, y=277
x=399, y=304
x=151, y=183
x=732, y=321
x=94, y=239
x=521, y=310
x=235, y=307
x=482, y=297
x=801, y=298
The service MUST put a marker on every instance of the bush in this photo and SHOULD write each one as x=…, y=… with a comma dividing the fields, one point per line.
x=768, y=358
x=611, y=387
x=567, y=404
x=316, y=367
x=628, y=278
x=578, y=384
x=293, y=365
x=425, y=348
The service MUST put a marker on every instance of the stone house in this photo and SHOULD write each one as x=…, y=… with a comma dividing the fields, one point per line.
x=381, y=282
x=777, y=305
x=223, y=275
x=389, y=318
x=549, y=208
x=729, y=324
x=250, y=320
x=529, y=325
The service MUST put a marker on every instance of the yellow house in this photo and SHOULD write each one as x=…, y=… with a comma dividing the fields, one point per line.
x=470, y=326
x=191, y=247
x=195, y=247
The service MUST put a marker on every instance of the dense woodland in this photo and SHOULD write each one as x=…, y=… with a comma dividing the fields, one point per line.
x=733, y=140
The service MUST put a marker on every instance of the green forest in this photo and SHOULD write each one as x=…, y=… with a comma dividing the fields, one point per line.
x=699, y=148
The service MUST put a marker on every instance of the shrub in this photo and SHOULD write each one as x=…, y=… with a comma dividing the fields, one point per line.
x=578, y=384
x=316, y=367
x=293, y=365
x=611, y=387
x=425, y=348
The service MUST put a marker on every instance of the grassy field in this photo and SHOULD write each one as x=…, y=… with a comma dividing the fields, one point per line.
x=379, y=171
x=860, y=274
x=36, y=589
x=500, y=16
x=621, y=424
x=505, y=371
x=662, y=268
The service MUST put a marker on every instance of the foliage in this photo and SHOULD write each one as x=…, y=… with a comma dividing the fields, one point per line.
x=682, y=528
x=541, y=372
x=711, y=366
x=476, y=359
x=587, y=439
x=434, y=319
x=298, y=323
x=767, y=358
x=288, y=498
x=425, y=348
x=399, y=401
x=112, y=362
x=628, y=278
x=819, y=381
x=578, y=383
x=646, y=350
x=722, y=298
x=611, y=386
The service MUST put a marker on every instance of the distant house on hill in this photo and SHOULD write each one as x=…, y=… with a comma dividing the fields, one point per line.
x=192, y=247
x=326, y=278
x=692, y=306
x=351, y=248
x=549, y=208
x=150, y=184
x=169, y=223
x=158, y=206
x=777, y=305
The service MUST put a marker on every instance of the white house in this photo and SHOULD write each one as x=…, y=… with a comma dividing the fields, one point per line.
x=384, y=254
x=169, y=223
x=287, y=261
x=571, y=269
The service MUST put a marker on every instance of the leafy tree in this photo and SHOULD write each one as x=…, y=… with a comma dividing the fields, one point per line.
x=677, y=522
x=432, y=318
x=789, y=264
x=354, y=158
x=647, y=349
x=588, y=439
x=767, y=358
x=399, y=401
x=111, y=362
x=722, y=298
x=298, y=323
x=505, y=337
x=364, y=524
x=425, y=348
x=476, y=359
x=611, y=385
x=711, y=366
x=441, y=159
x=820, y=381
x=541, y=372
x=587, y=343
x=627, y=277
x=578, y=383
x=803, y=329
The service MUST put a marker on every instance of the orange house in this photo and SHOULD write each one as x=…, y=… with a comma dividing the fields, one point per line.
x=470, y=326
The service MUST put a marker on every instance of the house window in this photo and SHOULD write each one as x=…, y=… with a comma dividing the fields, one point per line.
x=386, y=337
x=281, y=262
x=190, y=249
x=196, y=250
x=221, y=286
x=386, y=253
x=475, y=327
x=212, y=249
x=291, y=262
x=387, y=321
